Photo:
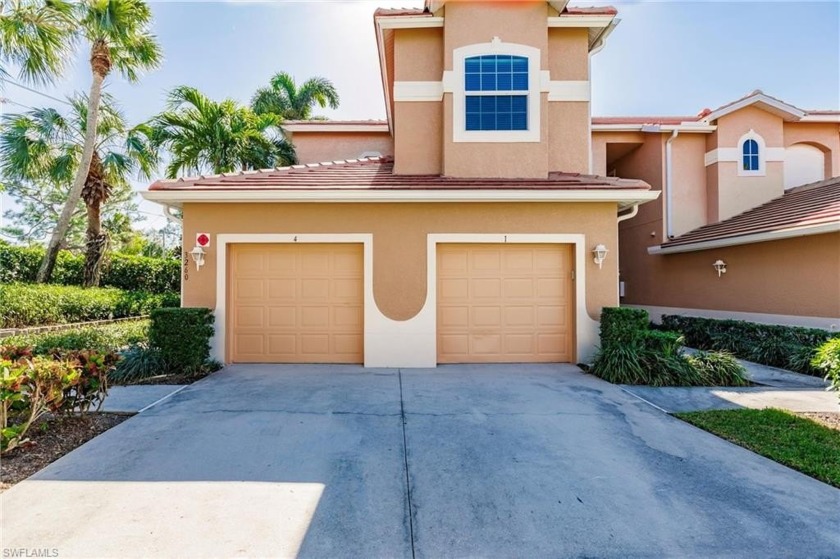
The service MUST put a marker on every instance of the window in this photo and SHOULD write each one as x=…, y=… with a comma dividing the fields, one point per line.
x=496, y=92
x=485, y=79
x=750, y=156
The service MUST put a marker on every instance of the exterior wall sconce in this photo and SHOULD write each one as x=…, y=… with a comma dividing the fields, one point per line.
x=197, y=255
x=720, y=266
x=600, y=254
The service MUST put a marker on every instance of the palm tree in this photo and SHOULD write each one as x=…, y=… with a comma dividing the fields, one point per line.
x=119, y=37
x=283, y=97
x=36, y=37
x=43, y=146
x=203, y=135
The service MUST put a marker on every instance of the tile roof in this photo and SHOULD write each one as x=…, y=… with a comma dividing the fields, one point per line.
x=590, y=11
x=377, y=173
x=385, y=12
x=804, y=206
x=643, y=119
x=368, y=122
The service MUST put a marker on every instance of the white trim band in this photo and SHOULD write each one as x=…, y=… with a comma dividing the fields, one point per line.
x=733, y=155
x=624, y=198
x=418, y=91
x=569, y=91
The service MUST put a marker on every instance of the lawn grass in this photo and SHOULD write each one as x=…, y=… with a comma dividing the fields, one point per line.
x=796, y=442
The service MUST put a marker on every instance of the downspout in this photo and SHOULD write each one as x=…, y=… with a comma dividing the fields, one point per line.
x=170, y=215
x=669, y=182
x=634, y=211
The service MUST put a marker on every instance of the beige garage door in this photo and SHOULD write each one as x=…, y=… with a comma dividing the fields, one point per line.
x=296, y=303
x=506, y=303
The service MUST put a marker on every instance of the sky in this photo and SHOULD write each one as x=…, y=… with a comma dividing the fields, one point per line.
x=664, y=58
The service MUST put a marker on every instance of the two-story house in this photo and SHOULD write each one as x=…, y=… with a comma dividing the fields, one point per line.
x=473, y=231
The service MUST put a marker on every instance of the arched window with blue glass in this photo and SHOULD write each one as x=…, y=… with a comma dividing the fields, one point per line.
x=750, y=155
x=496, y=92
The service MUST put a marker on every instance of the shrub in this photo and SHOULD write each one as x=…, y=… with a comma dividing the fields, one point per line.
x=139, y=363
x=632, y=353
x=182, y=335
x=124, y=271
x=718, y=369
x=90, y=386
x=29, y=388
x=623, y=325
x=23, y=305
x=827, y=360
x=104, y=338
x=788, y=347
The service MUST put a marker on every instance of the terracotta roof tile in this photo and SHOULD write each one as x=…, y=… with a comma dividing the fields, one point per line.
x=811, y=204
x=385, y=12
x=377, y=173
x=590, y=10
x=643, y=119
x=368, y=122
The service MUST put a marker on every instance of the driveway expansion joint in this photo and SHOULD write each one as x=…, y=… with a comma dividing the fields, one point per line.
x=405, y=460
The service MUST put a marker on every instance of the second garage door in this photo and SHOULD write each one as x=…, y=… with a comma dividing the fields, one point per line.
x=506, y=303
x=296, y=303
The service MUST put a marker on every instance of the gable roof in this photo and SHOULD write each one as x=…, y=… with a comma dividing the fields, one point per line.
x=805, y=210
x=763, y=101
x=373, y=179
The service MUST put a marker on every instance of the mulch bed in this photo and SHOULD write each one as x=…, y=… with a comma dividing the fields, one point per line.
x=49, y=441
x=172, y=379
x=829, y=419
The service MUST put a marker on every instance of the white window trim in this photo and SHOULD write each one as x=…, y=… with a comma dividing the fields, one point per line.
x=762, y=155
x=459, y=93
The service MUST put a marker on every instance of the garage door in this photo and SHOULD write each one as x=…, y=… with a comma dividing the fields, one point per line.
x=296, y=303
x=504, y=303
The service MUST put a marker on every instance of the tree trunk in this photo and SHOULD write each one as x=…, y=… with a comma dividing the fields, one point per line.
x=95, y=245
x=60, y=231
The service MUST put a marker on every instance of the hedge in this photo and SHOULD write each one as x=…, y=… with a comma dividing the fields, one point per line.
x=23, y=305
x=182, y=335
x=632, y=353
x=124, y=271
x=787, y=347
x=106, y=338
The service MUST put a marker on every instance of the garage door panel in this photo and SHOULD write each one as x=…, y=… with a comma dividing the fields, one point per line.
x=516, y=308
x=486, y=316
x=346, y=288
x=250, y=317
x=282, y=288
x=297, y=303
x=490, y=288
x=280, y=317
x=454, y=288
x=519, y=316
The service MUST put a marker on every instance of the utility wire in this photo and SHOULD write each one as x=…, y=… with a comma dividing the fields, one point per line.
x=27, y=88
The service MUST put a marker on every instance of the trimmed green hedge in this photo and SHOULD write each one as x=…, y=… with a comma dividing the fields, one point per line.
x=23, y=305
x=787, y=347
x=124, y=271
x=182, y=335
x=107, y=338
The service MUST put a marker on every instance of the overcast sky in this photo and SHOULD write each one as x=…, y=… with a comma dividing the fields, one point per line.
x=664, y=58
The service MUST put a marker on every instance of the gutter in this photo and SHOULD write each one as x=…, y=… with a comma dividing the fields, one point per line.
x=669, y=181
x=747, y=239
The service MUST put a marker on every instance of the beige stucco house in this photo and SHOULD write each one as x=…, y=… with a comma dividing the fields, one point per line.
x=462, y=229
x=747, y=186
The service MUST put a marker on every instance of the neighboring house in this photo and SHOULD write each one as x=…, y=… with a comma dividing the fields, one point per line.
x=732, y=194
x=471, y=239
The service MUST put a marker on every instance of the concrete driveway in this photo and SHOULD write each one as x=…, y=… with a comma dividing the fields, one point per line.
x=491, y=461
